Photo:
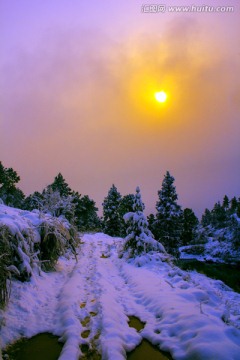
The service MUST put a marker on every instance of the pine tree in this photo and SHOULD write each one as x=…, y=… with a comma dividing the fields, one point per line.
x=206, y=218
x=219, y=216
x=234, y=204
x=59, y=184
x=190, y=223
x=139, y=238
x=238, y=208
x=111, y=218
x=125, y=206
x=33, y=201
x=9, y=193
x=151, y=220
x=169, y=218
x=225, y=202
x=85, y=212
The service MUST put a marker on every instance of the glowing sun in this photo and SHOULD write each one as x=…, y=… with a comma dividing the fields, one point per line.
x=161, y=96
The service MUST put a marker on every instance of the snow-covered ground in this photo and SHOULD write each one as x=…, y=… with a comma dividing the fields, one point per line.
x=89, y=301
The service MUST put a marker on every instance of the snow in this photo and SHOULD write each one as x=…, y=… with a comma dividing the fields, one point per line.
x=186, y=313
x=213, y=250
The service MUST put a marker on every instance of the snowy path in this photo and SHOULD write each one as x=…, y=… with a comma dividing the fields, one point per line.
x=88, y=304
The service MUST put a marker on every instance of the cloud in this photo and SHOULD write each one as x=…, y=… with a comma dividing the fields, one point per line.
x=83, y=104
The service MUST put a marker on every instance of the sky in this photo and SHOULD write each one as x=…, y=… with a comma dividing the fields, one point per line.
x=77, y=84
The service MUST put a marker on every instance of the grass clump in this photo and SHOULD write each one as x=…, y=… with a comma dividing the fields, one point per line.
x=55, y=240
x=24, y=249
x=5, y=261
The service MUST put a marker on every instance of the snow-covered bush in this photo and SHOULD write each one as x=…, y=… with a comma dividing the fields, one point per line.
x=139, y=239
x=30, y=241
x=55, y=239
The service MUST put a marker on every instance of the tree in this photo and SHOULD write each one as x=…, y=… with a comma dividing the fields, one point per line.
x=151, y=220
x=85, y=212
x=169, y=218
x=59, y=184
x=206, y=218
x=33, y=201
x=190, y=223
x=139, y=238
x=219, y=216
x=111, y=218
x=235, y=238
x=225, y=202
x=238, y=209
x=58, y=205
x=125, y=206
x=234, y=204
x=9, y=193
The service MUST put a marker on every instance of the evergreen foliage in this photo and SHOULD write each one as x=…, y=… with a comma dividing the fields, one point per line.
x=58, y=199
x=234, y=205
x=33, y=201
x=219, y=216
x=111, y=217
x=206, y=218
x=222, y=224
x=125, y=206
x=168, y=225
x=225, y=202
x=86, y=213
x=190, y=223
x=9, y=193
x=151, y=220
x=139, y=238
x=60, y=185
x=222, y=214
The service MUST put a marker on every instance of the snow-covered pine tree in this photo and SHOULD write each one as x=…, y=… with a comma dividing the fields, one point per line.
x=111, y=218
x=169, y=218
x=139, y=239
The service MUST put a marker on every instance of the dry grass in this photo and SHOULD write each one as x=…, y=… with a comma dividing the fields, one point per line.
x=21, y=252
x=55, y=240
x=5, y=261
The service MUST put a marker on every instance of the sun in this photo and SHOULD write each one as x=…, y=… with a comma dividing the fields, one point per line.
x=160, y=96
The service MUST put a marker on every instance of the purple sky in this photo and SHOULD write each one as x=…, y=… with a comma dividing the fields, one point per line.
x=77, y=96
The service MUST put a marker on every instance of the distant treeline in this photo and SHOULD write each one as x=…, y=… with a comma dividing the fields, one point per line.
x=171, y=225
